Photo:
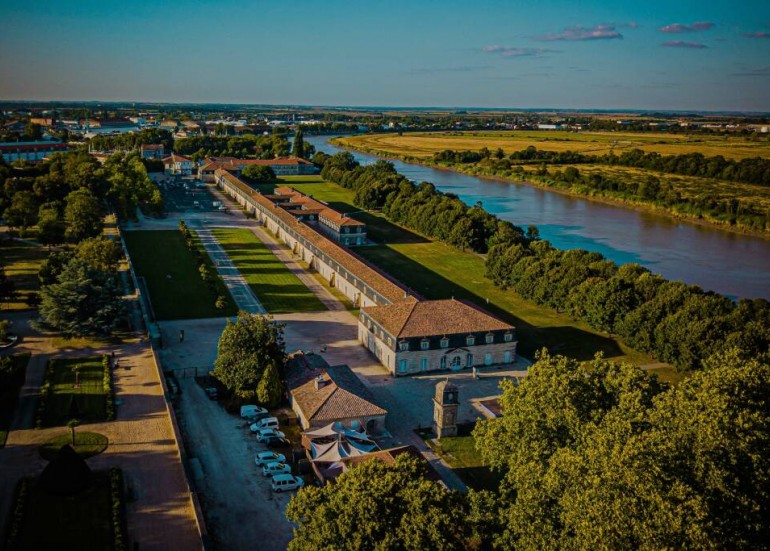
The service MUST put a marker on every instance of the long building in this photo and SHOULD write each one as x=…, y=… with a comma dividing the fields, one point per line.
x=407, y=334
x=30, y=151
x=282, y=166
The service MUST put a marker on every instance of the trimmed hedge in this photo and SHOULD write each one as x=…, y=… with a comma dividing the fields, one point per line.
x=118, y=510
x=45, y=391
x=109, y=390
x=16, y=514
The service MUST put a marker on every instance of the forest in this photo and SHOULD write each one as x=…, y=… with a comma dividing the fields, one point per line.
x=676, y=323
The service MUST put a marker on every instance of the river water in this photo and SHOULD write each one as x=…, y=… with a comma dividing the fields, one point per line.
x=732, y=264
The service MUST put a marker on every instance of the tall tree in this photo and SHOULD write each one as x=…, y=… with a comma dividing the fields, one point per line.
x=298, y=149
x=50, y=225
x=83, y=215
x=22, y=213
x=270, y=387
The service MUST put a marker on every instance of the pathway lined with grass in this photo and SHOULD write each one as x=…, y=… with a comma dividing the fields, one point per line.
x=279, y=290
x=171, y=272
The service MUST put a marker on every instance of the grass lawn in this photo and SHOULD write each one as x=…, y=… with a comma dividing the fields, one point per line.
x=87, y=444
x=460, y=454
x=438, y=271
x=9, y=395
x=21, y=261
x=279, y=290
x=82, y=522
x=89, y=397
x=156, y=255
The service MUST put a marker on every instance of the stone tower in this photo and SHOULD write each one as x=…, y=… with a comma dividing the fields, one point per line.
x=445, y=404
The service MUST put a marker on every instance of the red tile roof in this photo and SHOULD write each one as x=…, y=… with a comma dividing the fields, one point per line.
x=299, y=198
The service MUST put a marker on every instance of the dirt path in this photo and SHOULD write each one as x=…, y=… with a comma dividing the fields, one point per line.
x=159, y=512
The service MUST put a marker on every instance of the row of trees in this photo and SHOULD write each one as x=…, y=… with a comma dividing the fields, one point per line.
x=129, y=141
x=595, y=455
x=245, y=146
x=80, y=291
x=677, y=323
x=211, y=279
x=68, y=196
x=754, y=170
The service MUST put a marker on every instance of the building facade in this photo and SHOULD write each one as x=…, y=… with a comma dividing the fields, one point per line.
x=178, y=165
x=152, y=151
x=31, y=151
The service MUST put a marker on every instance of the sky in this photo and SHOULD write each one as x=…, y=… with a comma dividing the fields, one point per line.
x=587, y=54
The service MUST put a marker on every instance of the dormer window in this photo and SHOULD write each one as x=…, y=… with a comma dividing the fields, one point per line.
x=470, y=340
x=445, y=342
x=509, y=337
x=424, y=344
x=403, y=346
x=490, y=338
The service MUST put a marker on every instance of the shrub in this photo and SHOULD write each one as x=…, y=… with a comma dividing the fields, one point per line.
x=117, y=506
x=17, y=514
x=109, y=391
x=45, y=390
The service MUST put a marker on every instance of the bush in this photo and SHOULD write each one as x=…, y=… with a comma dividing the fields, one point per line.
x=109, y=391
x=118, y=510
x=17, y=514
x=45, y=390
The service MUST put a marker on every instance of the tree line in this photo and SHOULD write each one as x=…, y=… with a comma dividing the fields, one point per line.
x=245, y=146
x=677, y=323
x=129, y=141
x=594, y=455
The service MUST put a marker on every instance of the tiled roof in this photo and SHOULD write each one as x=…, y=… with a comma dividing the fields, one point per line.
x=299, y=198
x=152, y=146
x=342, y=396
x=174, y=158
x=382, y=283
x=434, y=317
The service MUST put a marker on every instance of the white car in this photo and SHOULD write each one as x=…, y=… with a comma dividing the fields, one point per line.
x=286, y=482
x=264, y=434
x=269, y=457
x=251, y=411
x=266, y=423
x=275, y=468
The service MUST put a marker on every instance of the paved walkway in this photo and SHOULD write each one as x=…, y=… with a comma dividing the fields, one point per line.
x=239, y=289
x=159, y=511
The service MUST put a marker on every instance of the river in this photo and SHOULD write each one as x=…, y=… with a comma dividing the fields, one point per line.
x=732, y=264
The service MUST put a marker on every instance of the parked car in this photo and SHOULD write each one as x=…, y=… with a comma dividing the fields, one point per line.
x=266, y=423
x=264, y=458
x=251, y=410
x=272, y=469
x=251, y=419
x=286, y=482
x=211, y=392
x=264, y=434
x=277, y=442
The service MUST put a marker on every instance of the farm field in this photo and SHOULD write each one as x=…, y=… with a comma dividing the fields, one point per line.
x=279, y=290
x=21, y=260
x=437, y=270
x=175, y=285
x=425, y=144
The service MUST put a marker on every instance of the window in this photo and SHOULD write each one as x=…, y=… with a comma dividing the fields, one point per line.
x=403, y=346
x=470, y=340
x=402, y=366
x=424, y=344
x=445, y=342
x=424, y=364
x=443, y=362
x=469, y=360
x=490, y=338
x=508, y=337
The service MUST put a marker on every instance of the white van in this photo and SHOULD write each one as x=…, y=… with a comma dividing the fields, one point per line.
x=251, y=411
x=266, y=423
x=286, y=482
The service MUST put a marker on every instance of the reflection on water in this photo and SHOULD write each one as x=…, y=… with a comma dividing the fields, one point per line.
x=732, y=264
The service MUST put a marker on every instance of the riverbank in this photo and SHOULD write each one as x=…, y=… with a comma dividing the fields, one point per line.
x=538, y=181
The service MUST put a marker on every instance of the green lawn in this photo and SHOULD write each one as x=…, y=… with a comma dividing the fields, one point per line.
x=9, y=394
x=176, y=288
x=460, y=454
x=439, y=271
x=64, y=401
x=82, y=522
x=87, y=444
x=21, y=261
x=279, y=290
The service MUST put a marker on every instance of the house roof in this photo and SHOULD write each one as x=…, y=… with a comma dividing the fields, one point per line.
x=152, y=146
x=370, y=276
x=434, y=317
x=174, y=158
x=341, y=396
x=313, y=205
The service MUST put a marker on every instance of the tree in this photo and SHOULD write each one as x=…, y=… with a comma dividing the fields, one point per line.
x=83, y=215
x=246, y=347
x=84, y=301
x=7, y=286
x=270, y=387
x=379, y=506
x=258, y=173
x=50, y=226
x=22, y=213
x=298, y=149
x=100, y=253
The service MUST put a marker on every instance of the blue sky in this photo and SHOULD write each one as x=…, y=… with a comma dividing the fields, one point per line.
x=623, y=54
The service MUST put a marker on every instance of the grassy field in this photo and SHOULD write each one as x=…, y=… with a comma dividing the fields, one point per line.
x=460, y=454
x=175, y=285
x=425, y=144
x=64, y=401
x=82, y=522
x=279, y=290
x=21, y=260
x=437, y=271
